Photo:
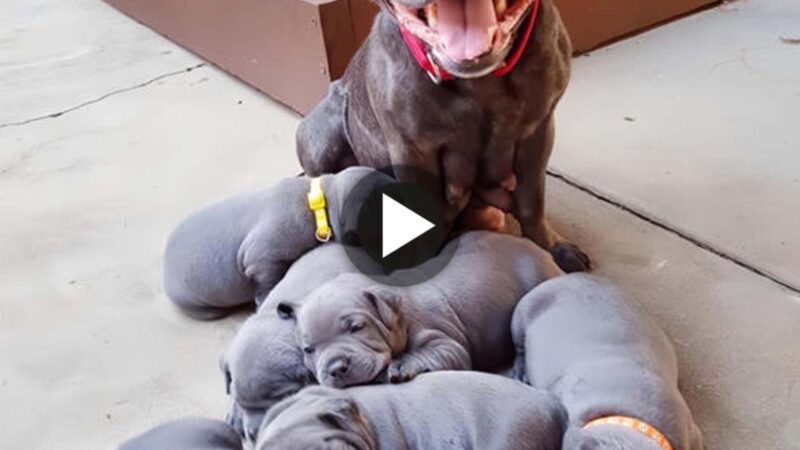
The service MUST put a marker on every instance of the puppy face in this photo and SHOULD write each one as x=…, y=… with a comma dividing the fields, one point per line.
x=315, y=419
x=262, y=366
x=349, y=331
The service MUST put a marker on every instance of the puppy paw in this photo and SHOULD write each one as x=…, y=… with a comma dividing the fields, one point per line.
x=400, y=373
x=570, y=258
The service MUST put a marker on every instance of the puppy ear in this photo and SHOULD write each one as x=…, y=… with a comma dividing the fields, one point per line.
x=340, y=413
x=385, y=303
x=285, y=310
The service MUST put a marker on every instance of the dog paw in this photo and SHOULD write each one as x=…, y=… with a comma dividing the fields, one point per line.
x=570, y=258
x=400, y=373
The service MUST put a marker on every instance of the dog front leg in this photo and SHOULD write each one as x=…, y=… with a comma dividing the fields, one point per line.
x=321, y=139
x=429, y=351
x=531, y=169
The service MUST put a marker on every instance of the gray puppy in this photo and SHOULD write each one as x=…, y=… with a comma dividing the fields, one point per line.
x=352, y=329
x=436, y=411
x=602, y=355
x=486, y=138
x=187, y=434
x=264, y=364
x=228, y=254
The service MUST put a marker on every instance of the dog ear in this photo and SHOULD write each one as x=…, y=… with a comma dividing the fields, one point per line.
x=343, y=414
x=385, y=303
x=340, y=413
x=285, y=310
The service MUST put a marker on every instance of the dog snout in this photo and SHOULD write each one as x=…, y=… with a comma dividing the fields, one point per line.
x=338, y=368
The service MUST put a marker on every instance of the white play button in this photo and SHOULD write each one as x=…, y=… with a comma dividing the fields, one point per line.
x=400, y=225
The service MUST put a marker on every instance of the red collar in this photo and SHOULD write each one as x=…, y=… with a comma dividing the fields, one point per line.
x=417, y=48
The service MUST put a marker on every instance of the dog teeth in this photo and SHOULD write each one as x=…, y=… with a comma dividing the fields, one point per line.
x=500, y=7
x=432, y=14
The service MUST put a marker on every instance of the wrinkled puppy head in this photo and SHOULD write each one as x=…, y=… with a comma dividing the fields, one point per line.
x=317, y=418
x=349, y=330
x=468, y=38
x=607, y=437
x=262, y=366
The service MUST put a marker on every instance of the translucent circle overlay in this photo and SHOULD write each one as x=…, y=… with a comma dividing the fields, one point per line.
x=418, y=260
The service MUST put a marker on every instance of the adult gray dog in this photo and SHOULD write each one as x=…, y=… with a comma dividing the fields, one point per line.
x=264, y=364
x=352, y=329
x=187, y=434
x=231, y=253
x=609, y=363
x=487, y=138
x=436, y=411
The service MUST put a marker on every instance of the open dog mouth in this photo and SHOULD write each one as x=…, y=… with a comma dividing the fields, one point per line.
x=461, y=32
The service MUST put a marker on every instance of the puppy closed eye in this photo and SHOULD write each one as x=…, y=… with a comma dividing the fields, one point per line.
x=351, y=324
x=309, y=350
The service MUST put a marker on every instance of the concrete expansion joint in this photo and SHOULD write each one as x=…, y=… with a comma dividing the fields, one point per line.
x=103, y=97
x=674, y=231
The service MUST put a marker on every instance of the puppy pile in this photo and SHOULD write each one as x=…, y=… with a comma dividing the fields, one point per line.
x=398, y=366
x=502, y=349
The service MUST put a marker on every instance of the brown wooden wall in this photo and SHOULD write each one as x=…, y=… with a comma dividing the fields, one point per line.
x=292, y=49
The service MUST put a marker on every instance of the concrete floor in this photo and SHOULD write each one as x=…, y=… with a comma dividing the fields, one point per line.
x=109, y=134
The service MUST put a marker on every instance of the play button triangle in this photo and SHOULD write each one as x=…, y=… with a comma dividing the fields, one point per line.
x=400, y=225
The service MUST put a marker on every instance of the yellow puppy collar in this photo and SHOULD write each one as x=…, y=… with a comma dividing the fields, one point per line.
x=316, y=203
x=636, y=425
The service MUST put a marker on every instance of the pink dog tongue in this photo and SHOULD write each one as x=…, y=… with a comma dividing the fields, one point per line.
x=466, y=27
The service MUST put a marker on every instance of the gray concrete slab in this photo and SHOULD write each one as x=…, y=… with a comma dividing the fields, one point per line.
x=55, y=55
x=695, y=125
x=91, y=350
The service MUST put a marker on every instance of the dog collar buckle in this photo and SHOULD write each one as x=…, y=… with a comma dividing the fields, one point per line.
x=634, y=424
x=316, y=203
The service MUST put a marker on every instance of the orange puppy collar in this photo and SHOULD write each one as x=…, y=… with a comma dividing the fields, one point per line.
x=636, y=425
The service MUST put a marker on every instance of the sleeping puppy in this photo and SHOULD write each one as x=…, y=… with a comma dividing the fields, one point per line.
x=603, y=356
x=263, y=363
x=486, y=138
x=187, y=434
x=228, y=254
x=352, y=329
x=436, y=411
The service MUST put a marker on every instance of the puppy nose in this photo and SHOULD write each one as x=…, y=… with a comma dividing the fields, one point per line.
x=339, y=368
